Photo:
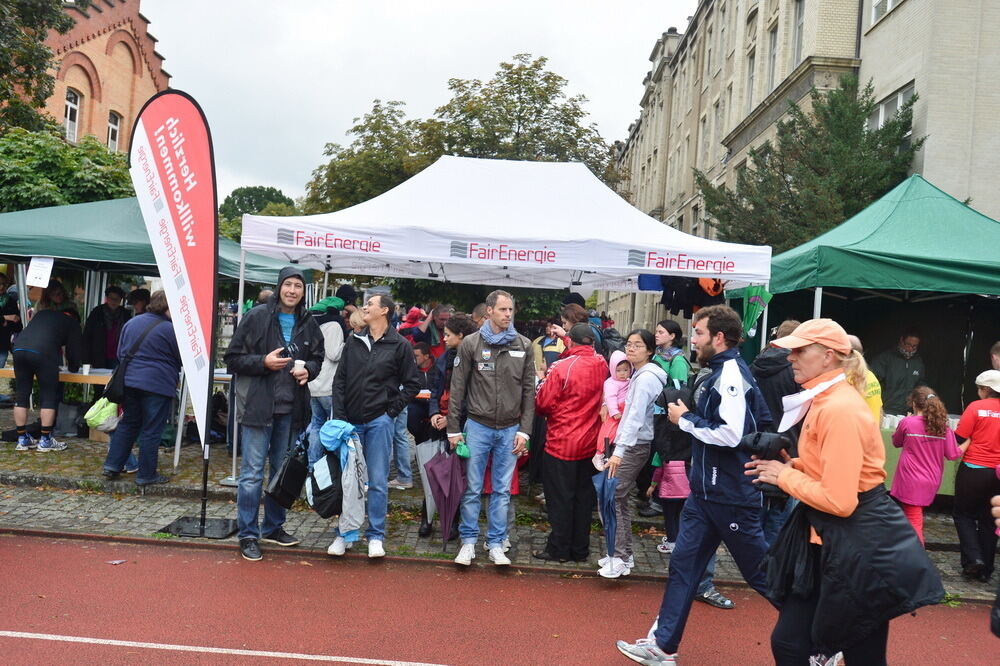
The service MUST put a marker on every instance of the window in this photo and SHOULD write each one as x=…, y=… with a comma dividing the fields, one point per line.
x=723, y=46
x=114, y=127
x=695, y=222
x=71, y=114
x=704, y=143
x=751, y=63
x=772, y=57
x=889, y=106
x=800, y=19
x=729, y=98
x=680, y=222
x=717, y=125
x=708, y=56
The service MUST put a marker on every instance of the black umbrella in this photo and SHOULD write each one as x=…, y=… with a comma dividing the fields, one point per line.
x=446, y=477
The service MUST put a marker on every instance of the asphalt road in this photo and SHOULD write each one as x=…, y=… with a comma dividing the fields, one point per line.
x=61, y=601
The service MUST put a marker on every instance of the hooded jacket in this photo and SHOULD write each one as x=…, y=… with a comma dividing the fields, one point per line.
x=257, y=335
x=728, y=405
x=332, y=328
x=773, y=372
x=570, y=397
x=368, y=379
x=637, y=421
x=615, y=389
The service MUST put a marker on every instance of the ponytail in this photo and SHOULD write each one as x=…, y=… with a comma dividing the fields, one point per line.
x=935, y=414
x=856, y=369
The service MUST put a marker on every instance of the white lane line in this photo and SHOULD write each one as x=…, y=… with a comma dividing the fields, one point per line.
x=207, y=649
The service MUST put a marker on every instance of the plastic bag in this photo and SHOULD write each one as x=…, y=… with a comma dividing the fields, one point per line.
x=102, y=415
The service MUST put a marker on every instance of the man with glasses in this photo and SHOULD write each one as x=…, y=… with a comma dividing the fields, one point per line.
x=899, y=370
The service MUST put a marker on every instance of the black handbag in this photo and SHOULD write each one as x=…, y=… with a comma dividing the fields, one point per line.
x=286, y=484
x=324, y=488
x=115, y=390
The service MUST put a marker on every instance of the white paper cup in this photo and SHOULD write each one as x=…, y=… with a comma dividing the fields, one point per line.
x=300, y=364
x=85, y=368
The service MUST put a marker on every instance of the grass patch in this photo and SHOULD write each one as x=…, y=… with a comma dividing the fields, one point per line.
x=951, y=600
x=90, y=486
x=163, y=535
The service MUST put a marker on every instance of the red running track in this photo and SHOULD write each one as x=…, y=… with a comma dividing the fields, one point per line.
x=380, y=610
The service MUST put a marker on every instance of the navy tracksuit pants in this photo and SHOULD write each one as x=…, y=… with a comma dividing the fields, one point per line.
x=703, y=525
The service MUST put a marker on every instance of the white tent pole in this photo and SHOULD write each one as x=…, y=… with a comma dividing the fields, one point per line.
x=326, y=279
x=763, y=324
x=817, y=302
x=232, y=479
x=180, y=422
x=239, y=297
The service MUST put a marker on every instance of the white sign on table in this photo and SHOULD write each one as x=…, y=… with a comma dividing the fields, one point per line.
x=39, y=271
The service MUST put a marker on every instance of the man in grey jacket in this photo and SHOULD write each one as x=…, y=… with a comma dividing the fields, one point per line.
x=494, y=377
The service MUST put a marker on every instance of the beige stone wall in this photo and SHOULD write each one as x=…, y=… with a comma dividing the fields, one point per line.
x=109, y=58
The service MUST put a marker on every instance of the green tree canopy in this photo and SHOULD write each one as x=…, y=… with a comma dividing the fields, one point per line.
x=40, y=169
x=522, y=113
x=26, y=62
x=251, y=200
x=822, y=168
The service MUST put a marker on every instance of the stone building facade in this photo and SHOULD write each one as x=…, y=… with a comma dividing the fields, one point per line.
x=106, y=67
x=720, y=88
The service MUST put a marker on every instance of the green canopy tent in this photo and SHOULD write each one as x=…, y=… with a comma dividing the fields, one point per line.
x=917, y=257
x=106, y=236
x=915, y=238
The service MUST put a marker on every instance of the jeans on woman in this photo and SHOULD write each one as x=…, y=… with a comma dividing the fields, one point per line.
x=144, y=416
x=322, y=411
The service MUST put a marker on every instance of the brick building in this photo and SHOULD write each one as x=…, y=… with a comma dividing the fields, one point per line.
x=106, y=67
x=721, y=87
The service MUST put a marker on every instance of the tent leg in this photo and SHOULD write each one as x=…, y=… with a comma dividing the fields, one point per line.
x=180, y=424
x=817, y=302
x=239, y=302
x=763, y=327
x=232, y=480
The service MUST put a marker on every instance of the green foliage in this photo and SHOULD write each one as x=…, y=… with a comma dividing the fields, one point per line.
x=529, y=304
x=26, y=80
x=256, y=200
x=41, y=169
x=822, y=168
x=522, y=113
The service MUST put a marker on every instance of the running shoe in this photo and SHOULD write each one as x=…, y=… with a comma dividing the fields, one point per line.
x=24, y=443
x=646, y=651
x=50, y=444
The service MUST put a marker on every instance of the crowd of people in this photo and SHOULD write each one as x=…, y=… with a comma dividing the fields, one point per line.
x=781, y=459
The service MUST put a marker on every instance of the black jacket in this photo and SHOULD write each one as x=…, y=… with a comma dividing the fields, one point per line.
x=773, y=372
x=258, y=334
x=49, y=331
x=368, y=379
x=8, y=328
x=95, y=334
x=418, y=415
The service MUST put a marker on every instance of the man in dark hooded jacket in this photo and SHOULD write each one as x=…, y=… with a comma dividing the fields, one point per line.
x=272, y=399
x=773, y=372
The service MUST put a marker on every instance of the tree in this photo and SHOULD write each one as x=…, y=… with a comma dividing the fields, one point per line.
x=522, y=113
x=530, y=304
x=26, y=62
x=822, y=168
x=41, y=169
x=256, y=200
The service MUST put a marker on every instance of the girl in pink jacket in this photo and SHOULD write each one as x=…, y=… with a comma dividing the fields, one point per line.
x=670, y=483
x=926, y=441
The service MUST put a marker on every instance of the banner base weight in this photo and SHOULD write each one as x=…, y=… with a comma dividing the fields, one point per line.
x=190, y=526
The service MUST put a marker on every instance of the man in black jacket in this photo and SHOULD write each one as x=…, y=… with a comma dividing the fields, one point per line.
x=272, y=399
x=376, y=362
x=773, y=372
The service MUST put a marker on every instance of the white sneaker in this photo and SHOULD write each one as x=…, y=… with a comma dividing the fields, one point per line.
x=645, y=651
x=466, y=554
x=629, y=562
x=505, y=545
x=666, y=546
x=338, y=547
x=375, y=548
x=614, y=569
x=498, y=558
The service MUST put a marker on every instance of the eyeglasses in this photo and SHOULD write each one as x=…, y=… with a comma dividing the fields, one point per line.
x=635, y=345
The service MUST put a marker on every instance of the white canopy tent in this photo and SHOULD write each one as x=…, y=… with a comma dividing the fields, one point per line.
x=506, y=223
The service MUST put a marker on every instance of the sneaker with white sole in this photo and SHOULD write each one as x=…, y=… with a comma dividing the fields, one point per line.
x=629, y=561
x=615, y=568
x=24, y=443
x=498, y=558
x=666, y=546
x=375, y=548
x=338, y=547
x=396, y=484
x=466, y=554
x=505, y=545
x=50, y=444
x=646, y=651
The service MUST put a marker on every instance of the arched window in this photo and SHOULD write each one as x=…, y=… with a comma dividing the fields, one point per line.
x=114, y=127
x=71, y=115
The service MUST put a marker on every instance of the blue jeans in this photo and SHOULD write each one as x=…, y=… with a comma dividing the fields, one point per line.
x=483, y=442
x=401, y=448
x=259, y=444
x=376, y=444
x=322, y=411
x=144, y=416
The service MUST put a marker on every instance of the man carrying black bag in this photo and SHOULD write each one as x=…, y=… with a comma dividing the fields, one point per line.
x=275, y=351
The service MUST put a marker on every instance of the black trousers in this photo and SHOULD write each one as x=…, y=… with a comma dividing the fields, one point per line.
x=645, y=478
x=569, y=501
x=977, y=537
x=791, y=640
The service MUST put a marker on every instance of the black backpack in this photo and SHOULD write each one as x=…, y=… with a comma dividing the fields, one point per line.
x=613, y=341
x=669, y=440
x=324, y=488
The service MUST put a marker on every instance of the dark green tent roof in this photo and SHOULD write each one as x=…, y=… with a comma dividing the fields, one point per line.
x=916, y=237
x=107, y=236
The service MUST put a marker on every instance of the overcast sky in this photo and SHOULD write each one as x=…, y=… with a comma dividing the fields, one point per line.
x=278, y=80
